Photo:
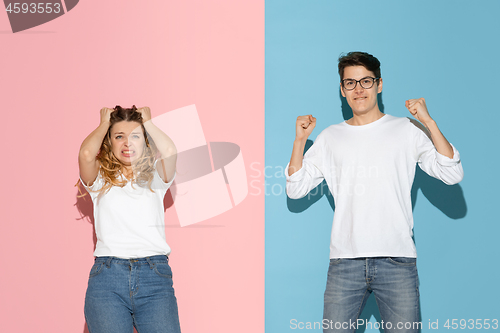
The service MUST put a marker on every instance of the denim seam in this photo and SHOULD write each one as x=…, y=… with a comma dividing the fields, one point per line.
x=138, y=284
x=87, y=322
x=407, y=264
x=122, y=261
x=359, y=309
x=132, y=292
x=417, y=301
x=139, y=263
x=98, y=271
x=160, y=274
x=336, y=262
x=108, y=263
x=149, y=262
x=378, y=306
x=135, y=323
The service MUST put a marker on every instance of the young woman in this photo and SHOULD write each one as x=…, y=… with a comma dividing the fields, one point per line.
x=127, y=165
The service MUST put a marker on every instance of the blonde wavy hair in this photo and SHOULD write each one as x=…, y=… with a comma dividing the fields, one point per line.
x=111, y=168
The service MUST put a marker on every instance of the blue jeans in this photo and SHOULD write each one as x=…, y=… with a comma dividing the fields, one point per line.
x=127, y=293
x=394, y=281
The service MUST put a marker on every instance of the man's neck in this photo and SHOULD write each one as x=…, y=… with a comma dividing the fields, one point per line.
x=364, y=119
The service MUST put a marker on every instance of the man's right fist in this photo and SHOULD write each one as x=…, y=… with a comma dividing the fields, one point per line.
x=304, y=126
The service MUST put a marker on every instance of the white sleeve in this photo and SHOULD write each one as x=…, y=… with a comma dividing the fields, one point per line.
x=310, y=175
x=158, y=182
x=448, y=170
x=94, y=188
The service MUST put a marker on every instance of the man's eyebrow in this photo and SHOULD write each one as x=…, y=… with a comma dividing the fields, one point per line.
x=364, y=77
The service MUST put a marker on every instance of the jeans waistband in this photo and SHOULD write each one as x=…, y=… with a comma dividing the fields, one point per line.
x=133, y=261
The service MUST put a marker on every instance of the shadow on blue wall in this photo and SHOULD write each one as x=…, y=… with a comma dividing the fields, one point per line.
x=448, y=199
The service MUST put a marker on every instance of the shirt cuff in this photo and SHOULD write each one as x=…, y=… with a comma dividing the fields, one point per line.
x=446, y=161
x=297, y=175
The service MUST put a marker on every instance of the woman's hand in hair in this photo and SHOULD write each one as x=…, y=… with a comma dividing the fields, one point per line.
x=145, y=113
x=105, y=115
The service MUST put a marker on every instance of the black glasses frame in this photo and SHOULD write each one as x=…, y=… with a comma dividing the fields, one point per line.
x=359, y=81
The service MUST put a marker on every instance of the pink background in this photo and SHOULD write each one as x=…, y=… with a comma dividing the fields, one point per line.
x=55, y=79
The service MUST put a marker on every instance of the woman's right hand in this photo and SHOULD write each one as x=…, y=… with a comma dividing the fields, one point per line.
x=106, y=115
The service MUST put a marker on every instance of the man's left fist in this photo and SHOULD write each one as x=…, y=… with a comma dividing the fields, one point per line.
x=418, y=109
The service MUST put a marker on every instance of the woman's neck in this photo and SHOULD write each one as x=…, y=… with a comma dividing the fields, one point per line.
x=127, y=172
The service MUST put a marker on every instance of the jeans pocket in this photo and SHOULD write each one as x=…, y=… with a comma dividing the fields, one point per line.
x=403, y=261
x=163, y=270
x=96, y=269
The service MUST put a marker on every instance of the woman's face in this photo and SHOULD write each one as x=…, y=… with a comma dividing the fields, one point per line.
x=127, y=141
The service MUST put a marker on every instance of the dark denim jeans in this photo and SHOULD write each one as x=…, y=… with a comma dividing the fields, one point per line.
x=393, y=281
x=127, y=293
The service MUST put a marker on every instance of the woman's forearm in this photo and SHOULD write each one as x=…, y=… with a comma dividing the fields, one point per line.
x=92, y=143
x=165, y=145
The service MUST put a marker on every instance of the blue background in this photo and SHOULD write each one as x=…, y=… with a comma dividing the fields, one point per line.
x=445, y=51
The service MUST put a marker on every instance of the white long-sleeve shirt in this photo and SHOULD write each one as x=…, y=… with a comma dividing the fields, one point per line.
x=369, y=170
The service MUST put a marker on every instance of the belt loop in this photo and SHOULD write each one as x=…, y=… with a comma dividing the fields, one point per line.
x=108, y=262
x=151, y=265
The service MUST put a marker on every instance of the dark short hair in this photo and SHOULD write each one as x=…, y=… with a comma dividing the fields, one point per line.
x=359, y=59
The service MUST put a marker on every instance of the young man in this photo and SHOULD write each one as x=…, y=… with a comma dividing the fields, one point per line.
x=369, y=162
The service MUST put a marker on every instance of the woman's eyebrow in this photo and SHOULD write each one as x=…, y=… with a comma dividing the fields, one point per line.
x=138, y=132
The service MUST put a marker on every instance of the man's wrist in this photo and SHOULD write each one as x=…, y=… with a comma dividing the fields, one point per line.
x=430, y=125
x=300, y=142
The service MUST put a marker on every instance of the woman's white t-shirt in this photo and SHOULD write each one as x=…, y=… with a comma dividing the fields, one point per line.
x=129, y=220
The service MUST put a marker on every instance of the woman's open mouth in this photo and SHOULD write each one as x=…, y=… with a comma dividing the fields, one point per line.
x=128, y=153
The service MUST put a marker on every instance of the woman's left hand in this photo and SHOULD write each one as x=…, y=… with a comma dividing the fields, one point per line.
x=145, y=113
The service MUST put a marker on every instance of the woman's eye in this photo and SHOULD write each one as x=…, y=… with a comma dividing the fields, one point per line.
x=118, y=137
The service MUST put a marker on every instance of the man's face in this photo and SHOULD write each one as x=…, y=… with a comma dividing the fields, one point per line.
x=361, y=100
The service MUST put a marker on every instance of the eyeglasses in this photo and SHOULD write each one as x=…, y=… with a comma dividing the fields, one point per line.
x=366, y=83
